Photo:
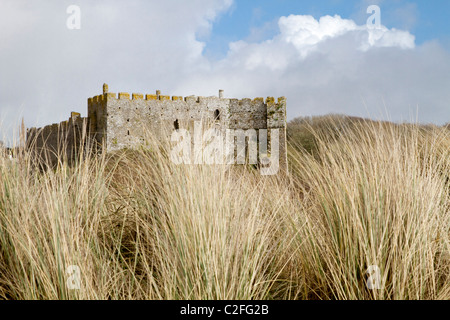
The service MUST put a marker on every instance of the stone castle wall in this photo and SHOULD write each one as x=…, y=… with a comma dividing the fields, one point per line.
x=119, y=121
x=56, y=141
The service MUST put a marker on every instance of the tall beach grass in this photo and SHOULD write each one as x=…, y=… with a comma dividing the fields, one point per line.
x=359, y=194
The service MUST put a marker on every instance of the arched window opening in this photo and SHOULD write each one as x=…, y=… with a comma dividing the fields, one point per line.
x=176, y=124
x=217, y=115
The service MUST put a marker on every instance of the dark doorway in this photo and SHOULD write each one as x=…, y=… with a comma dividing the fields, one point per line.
x=217, y=115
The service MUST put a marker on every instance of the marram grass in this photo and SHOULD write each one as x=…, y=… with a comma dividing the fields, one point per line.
x=140, y=227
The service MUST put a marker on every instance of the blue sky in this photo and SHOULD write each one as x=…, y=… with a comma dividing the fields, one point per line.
x=256, y=20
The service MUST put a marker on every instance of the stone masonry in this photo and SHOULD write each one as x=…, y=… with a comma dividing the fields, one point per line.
x=116, y=121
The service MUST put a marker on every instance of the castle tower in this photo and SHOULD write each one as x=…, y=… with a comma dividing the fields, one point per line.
x=118, y=121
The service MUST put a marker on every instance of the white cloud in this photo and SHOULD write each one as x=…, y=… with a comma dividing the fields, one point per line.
x=333, y=65
x=383, y=37
x=48, y=71
x=321, y=66
x=305, y=32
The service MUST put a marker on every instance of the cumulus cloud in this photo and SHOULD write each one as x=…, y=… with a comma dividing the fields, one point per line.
x=322, y=66
x=48, y=70
x=333, y=65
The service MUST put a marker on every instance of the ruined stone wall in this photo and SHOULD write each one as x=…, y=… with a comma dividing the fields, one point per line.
x=58, y=141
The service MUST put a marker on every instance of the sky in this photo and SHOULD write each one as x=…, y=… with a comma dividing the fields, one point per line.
x=323, y=56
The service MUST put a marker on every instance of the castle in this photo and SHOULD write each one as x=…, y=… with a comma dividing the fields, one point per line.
x=115, y=121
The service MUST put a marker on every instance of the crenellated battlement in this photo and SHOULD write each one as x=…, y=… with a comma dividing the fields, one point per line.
x=193, y=98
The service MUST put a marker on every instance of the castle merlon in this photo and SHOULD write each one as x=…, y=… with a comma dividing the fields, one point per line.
x=151, y=97
x=74, y=115
x=124, y=96
x=138, y=96
x=270, y=100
